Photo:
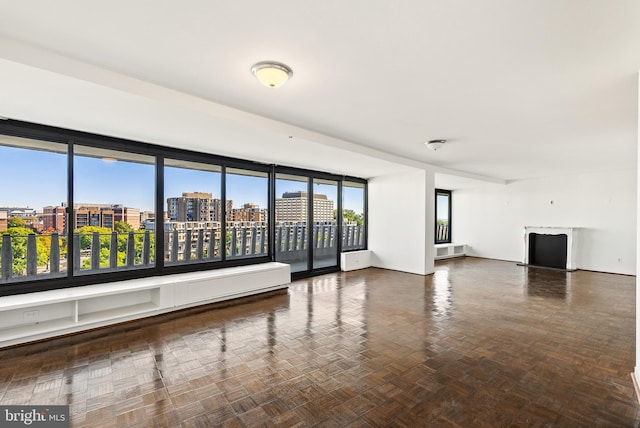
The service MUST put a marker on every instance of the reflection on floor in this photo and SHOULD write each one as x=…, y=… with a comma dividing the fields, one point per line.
x=479, y=343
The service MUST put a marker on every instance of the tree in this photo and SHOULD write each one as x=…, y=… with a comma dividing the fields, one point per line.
x=138, y=239
x=122, y=227
x=228, y=243
x=86, y=241
x=19, y=237
x=351, y=216
x=19, y=248
x=43, y=247
x=86, y=236
x=14, y=222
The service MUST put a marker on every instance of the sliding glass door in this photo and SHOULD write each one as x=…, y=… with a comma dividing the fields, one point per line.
x=306, y=232
x=325, y=223
x=292, y=219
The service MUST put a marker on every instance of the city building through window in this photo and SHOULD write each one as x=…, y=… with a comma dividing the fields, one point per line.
x=107, y=232
x=247, y=215
x=33, y=221
x=192, y=217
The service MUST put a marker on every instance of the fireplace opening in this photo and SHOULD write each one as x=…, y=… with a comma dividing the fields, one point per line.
x=548, y=250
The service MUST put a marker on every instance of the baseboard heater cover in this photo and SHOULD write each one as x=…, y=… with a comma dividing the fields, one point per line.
x=46, y=314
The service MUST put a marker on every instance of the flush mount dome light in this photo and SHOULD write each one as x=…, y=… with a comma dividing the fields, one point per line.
x=435, y=144
x=271, y=73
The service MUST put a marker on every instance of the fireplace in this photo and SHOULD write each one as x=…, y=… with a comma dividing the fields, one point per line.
x=552, y=247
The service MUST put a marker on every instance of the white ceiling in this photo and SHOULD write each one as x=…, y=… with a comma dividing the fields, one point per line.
x=520, y=89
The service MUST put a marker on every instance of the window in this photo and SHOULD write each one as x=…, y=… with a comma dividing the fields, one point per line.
x=32, y=212
x=353, y=209
x=247, y=214
x=443, y=216
x=325, y=223
x=79, y=209
x=193, y=212
x=111, y=189
x=316, y=216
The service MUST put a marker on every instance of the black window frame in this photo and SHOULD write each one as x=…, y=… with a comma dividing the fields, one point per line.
x=365, y=219
x=449, y=194
x=34, y=131
x=310, y=175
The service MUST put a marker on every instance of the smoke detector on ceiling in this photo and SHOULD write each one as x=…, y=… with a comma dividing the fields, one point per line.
x=435, y=144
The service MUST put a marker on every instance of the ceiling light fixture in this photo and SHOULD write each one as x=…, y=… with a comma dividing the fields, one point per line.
x=271, y=73
x=435, y=144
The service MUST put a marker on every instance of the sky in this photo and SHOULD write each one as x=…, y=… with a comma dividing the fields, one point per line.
x=442, y=207
x=38, y=178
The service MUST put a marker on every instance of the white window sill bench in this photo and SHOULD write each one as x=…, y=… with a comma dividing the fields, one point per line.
x=446, y=251
x=35, y=316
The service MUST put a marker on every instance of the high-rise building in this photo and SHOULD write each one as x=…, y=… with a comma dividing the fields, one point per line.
x=147, y=215
x=147, y=218
x=97, y=216
x=54, y=218
x=248, y=213
x=292, y=207
x=127, y=215
x=103, y=215
x=216, y=209
x=3, y=220
x=191, y=206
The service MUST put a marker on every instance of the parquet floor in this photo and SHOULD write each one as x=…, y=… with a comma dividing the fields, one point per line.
x=480, y=343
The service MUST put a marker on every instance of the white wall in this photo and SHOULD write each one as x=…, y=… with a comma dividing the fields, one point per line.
x=401, y=221
x=636, y=370
x=491, y=218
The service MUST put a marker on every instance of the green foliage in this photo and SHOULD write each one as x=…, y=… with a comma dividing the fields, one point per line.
x=122, y=227
x=19, y=248
x=123, y=230
x=228, y=243
x=104, y=257
x=43, y=248
x=138, y=240
x=86, y=240
x=352, y=216
x=86, y=236
x=15, y=222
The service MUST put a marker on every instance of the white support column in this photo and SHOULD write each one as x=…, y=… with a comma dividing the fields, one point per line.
x=401, y=221
x=430, y=221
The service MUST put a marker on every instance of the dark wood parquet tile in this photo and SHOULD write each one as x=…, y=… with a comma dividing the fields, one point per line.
x=480, y=343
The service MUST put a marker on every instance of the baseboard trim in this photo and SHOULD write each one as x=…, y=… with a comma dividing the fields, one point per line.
x=636, y=387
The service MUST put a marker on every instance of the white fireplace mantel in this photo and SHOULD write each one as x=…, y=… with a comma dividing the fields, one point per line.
x=572, y=241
